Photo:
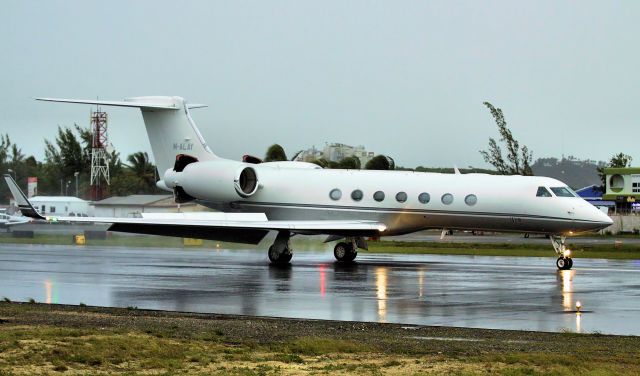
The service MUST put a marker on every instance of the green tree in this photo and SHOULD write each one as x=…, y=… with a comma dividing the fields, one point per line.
x=64, y=157
x=518, y=160
x=620, y=160
x=349, y=163
x=275, y=153
x=5, y=151
x=142, y=167
x=380, y=162
x=17, y=164
x=321, y=162
x=137, y=177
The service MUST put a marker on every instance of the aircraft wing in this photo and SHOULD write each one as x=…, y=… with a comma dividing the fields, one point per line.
x=248, y=228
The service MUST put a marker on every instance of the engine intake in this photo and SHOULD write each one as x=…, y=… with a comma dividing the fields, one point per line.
x=246, y=182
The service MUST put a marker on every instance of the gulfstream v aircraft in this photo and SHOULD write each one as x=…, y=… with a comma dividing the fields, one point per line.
x=297, y=198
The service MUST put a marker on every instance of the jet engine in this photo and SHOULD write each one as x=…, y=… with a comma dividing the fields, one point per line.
x=217, y=180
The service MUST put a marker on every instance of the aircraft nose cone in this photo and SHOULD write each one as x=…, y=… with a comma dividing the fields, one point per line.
x=602, y=219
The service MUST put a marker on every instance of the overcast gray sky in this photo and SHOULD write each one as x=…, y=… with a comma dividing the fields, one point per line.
x=403, y=78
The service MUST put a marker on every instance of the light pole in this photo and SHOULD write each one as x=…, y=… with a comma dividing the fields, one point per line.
x=76, y=175
x=66, y=188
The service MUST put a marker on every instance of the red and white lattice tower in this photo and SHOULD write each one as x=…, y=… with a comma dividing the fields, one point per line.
x=99, y=155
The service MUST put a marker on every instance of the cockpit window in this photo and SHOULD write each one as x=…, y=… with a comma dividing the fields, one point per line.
x=562, y=192
x=543, y=192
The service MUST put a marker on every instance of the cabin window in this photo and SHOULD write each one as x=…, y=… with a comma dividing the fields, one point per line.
x=543, y=192
x=335, y=194
x=52, y=209
x=471, y=200
x=356, y=195
x=424, y=198
x=447, y=198
x=562, y=192
x=378, y=196
x=401, y=197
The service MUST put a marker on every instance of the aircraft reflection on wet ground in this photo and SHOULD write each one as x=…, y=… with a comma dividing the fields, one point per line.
x=485, y=292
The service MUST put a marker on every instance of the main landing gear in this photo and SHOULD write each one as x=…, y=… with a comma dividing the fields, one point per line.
x=564, y=261
x=348, y=250
x=280, y=252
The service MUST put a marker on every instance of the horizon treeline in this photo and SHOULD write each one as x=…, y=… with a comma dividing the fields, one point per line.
x=68, y=153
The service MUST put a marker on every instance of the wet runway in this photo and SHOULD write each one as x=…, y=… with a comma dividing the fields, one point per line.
x=469, y=291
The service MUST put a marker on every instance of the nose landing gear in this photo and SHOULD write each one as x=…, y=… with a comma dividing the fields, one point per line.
x=564, y=261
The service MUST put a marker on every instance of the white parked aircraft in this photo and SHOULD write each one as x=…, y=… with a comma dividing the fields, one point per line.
x=347, y=205
x=10, y=220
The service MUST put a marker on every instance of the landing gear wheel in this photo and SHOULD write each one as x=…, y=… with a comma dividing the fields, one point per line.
x=564, y=263
x=279, y=258
x=340, y=251
x=344, y=252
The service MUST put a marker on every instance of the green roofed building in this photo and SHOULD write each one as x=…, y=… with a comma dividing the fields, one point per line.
x=623, y=187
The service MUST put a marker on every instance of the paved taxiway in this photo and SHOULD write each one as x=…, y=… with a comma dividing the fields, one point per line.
x=468, y=291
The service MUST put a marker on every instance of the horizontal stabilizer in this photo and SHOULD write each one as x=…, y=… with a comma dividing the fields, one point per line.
x=151, y=103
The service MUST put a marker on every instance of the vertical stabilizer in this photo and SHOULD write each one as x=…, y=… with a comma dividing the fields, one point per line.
x=172, y=132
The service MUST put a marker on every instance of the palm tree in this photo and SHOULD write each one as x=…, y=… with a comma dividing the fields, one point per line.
x=141, y=167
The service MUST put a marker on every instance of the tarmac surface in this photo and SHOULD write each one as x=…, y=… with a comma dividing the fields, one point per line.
x=523, y=293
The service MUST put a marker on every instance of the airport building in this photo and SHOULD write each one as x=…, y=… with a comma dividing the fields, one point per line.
x=623, y=188
x=61, y=206
x=336, y=152
x=133, y=205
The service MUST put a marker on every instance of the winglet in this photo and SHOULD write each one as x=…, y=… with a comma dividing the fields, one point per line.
x=23, y=204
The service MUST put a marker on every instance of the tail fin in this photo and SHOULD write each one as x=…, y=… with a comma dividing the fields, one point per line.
x=169, y=125
x=21, y=200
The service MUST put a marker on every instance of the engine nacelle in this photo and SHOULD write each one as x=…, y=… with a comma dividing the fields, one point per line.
x=217, y=181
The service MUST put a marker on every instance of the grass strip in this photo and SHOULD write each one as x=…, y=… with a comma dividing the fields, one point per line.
x=58, y=339
x=604, y=251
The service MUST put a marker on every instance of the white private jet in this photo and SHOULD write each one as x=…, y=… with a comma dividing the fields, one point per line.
x=347, y=205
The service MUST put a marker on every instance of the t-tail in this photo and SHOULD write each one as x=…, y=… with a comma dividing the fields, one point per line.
x=170, y=128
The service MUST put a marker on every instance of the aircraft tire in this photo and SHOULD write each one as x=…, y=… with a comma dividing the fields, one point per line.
x=281, y=258
x=564, y=263
x=341, y=251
